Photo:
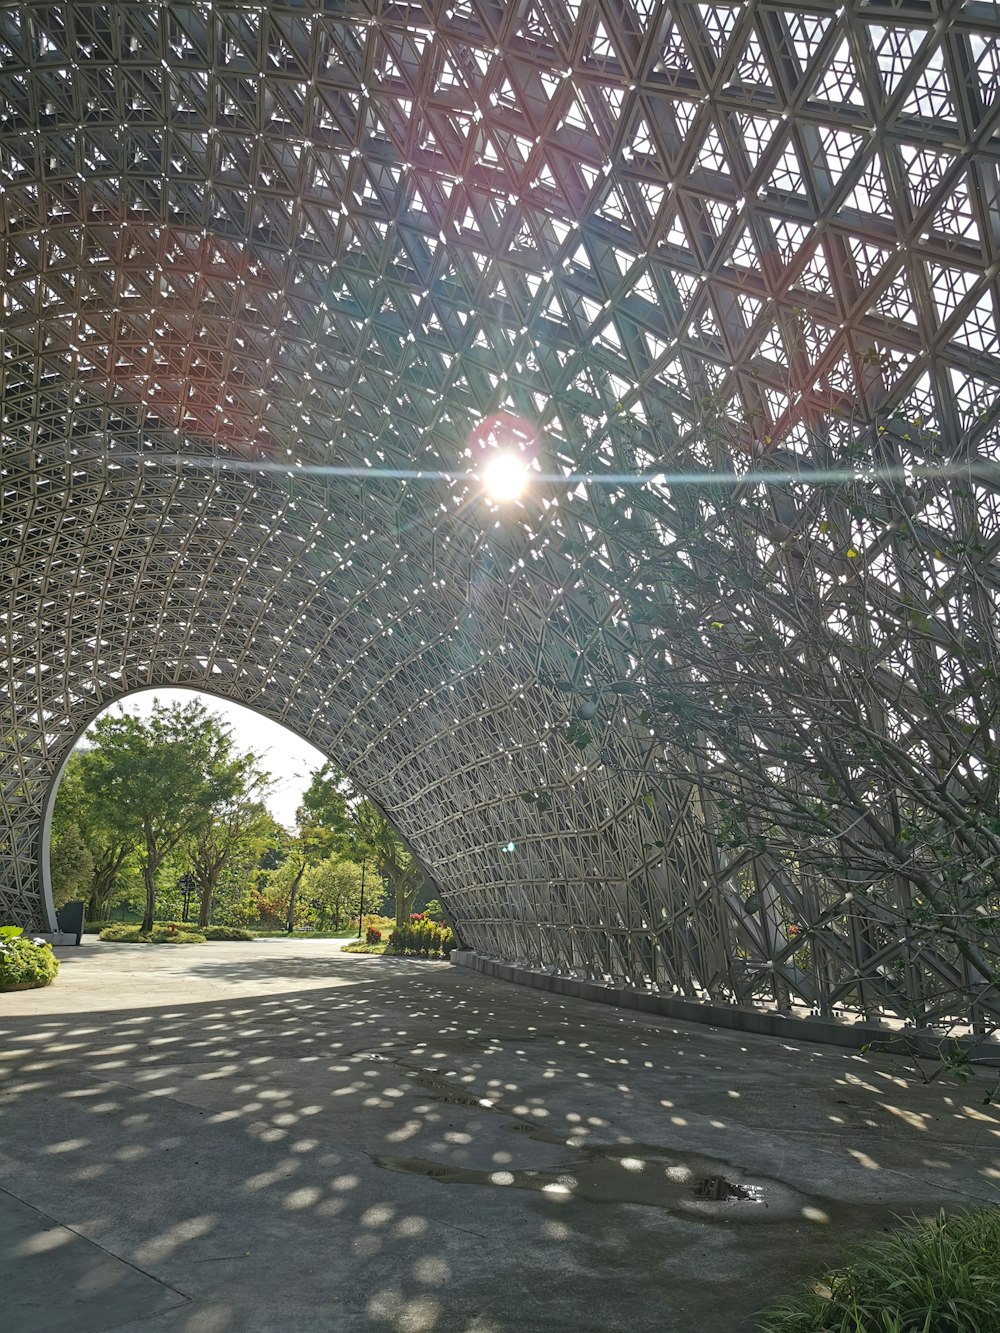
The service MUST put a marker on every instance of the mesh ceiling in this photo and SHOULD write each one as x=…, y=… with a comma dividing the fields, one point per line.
x=277, y=277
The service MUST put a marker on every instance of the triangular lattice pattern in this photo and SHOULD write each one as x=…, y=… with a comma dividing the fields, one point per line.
x=273, y=275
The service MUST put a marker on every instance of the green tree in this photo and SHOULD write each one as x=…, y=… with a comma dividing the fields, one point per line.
x=160, y=779
x=274, y=845
x=115, y=876
x=324, y=819
x=71, y=866
x=238, y=825
x=335, y=819
x=332, y=889
x=234, y=902
x=278, y=896
x=374, y=838
x=109, y=843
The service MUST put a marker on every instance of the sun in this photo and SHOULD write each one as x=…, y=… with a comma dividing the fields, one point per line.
x=504, y=475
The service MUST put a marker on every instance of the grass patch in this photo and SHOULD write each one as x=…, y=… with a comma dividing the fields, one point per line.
x=279, y=934
x=932, y=1276
x=362, y=946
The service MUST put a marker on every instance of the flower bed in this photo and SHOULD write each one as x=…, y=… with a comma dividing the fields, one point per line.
x=419, y=937
x=25, y=962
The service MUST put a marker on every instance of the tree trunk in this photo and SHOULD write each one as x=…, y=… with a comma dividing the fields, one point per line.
x=150, y=863
x=291, y=898
x=205, y=911
x=150, y=881
x=95, y=904
x=207, y=897
x=404, y=902
x=100, y=895
x=103, y=884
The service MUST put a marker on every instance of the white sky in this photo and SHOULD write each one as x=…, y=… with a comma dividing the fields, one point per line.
x=290, y=761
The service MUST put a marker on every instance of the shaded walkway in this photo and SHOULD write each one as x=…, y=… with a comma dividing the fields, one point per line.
x=277, y=1136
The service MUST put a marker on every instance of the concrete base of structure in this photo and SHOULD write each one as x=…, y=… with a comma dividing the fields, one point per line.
x=59, y=939
x=741, y=1018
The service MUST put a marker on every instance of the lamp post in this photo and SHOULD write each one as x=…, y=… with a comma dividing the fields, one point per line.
x=361, y=909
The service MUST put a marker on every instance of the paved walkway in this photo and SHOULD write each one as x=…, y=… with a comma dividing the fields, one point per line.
x=278, y=1138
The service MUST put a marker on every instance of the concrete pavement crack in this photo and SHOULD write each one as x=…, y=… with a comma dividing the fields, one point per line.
x=118, y=1258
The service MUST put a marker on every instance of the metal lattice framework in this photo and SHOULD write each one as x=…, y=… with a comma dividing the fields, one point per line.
x=276, y=276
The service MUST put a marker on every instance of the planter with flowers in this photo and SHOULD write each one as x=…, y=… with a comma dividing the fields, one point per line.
x=25, y=962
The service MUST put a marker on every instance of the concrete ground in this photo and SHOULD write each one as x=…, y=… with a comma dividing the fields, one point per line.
x=279, y=1138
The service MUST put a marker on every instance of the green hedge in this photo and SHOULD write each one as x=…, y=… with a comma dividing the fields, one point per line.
x=167, y=932
x=124, y=932
x=172, y=933
x=120, y=934
x=25, y=963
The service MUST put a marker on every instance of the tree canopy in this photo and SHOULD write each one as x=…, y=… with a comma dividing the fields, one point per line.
x=146, y=802
x=145, y=790
x=335, y=818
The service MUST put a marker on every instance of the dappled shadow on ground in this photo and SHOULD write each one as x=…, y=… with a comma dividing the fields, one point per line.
x=220, y=967
x=416, y=1148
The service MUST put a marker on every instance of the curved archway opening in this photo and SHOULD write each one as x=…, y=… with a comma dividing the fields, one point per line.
x=260, y=747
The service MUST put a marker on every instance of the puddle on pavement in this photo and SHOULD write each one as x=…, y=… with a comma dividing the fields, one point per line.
x=682, y=1183
x=718, y=1189
x=441, y=1089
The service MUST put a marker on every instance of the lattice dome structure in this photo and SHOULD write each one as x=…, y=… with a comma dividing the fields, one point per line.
x=711, y=707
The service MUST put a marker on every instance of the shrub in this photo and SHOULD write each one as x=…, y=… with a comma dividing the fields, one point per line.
x=422, y=937
x=373, y=935
x=175, y=933
x=167, y=932
x=382, y=923
x=120, y=934
x=225, y=933
x=938, y=1274
x=25, y=962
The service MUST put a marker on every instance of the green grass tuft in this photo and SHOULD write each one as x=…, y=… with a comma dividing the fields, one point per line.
x=940, y=1275
x=362, y=946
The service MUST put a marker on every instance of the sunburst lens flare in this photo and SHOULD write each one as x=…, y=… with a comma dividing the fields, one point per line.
x=504, y=476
